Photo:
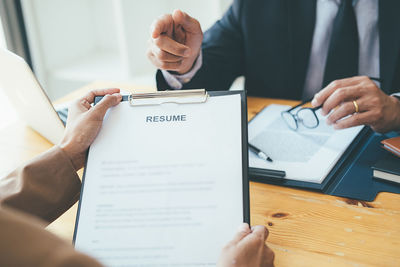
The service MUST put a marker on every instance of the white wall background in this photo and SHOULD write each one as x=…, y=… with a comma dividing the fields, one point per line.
x=74, y=42
x=7, y=111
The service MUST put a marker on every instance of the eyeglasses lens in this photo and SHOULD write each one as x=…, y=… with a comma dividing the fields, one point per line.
x=308, y=118
x=289, y=119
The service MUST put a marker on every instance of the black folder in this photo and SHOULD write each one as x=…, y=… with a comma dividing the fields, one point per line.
x=351, y=177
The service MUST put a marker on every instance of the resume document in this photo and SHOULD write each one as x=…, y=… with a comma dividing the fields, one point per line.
x=163, y=184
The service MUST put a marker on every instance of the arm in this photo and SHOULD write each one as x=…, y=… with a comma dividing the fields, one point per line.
x=24, y=242
x=222, y=51
x=48, y=185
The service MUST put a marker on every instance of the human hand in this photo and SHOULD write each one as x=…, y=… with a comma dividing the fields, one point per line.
x=247, y=249
x=84, y=122
x=375, y=108
x=175, y=42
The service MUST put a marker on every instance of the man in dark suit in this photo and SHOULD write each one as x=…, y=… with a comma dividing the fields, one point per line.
x=292, y=49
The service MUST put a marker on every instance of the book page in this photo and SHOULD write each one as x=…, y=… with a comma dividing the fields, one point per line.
x=163, y=184
x=305, y=154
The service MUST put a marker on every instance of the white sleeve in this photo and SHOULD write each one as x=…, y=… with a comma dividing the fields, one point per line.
x=176, y=81
x=396, y=94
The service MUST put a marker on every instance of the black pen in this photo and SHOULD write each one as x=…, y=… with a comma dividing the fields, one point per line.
x=259, y=153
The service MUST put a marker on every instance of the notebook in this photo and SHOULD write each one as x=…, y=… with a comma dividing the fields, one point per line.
x=387, y=168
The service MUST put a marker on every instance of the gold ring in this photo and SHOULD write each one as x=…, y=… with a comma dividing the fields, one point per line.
x=355, y=106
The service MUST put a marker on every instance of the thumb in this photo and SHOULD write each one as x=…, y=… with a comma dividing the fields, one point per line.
x=188, y=23
x=99, y=111
x=257, y=232
x=242, y=231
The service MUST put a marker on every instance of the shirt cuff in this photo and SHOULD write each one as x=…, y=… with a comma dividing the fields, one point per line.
x=396, y=94
x=176, y=81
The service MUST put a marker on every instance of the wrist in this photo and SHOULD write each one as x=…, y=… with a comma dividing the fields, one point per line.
x=396, y=112
x=77, y=159
x=190, y=66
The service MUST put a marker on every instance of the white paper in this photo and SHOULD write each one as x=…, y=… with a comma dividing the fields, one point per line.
x=305, y=154
x=163, y=193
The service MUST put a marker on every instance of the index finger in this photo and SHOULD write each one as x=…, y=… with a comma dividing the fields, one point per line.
x=162, y=25
x=321, y=96
x=171, y=46
x=89, y=97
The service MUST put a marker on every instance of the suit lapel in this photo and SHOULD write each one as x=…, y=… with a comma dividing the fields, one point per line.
x=301, y=22
x=389, y=35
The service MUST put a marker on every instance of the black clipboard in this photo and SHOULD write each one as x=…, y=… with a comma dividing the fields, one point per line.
x=244, y=137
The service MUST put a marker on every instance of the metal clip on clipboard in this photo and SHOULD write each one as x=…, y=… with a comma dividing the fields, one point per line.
x=162, y=97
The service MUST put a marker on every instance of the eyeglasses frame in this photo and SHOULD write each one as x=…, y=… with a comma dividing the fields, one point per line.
x=296, y=118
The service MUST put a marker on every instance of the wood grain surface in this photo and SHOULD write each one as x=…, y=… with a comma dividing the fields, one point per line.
x=306, y=228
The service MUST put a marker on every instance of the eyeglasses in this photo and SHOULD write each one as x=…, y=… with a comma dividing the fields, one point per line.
x=305, y=116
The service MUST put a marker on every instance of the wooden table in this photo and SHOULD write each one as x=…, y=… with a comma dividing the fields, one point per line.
x=306, y=228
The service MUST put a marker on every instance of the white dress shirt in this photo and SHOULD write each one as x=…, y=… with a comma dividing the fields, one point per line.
x=366, y=12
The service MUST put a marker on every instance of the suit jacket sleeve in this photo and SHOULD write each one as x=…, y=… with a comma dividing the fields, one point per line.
x=223, y=54
x=25, y=242
x=46, y=186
